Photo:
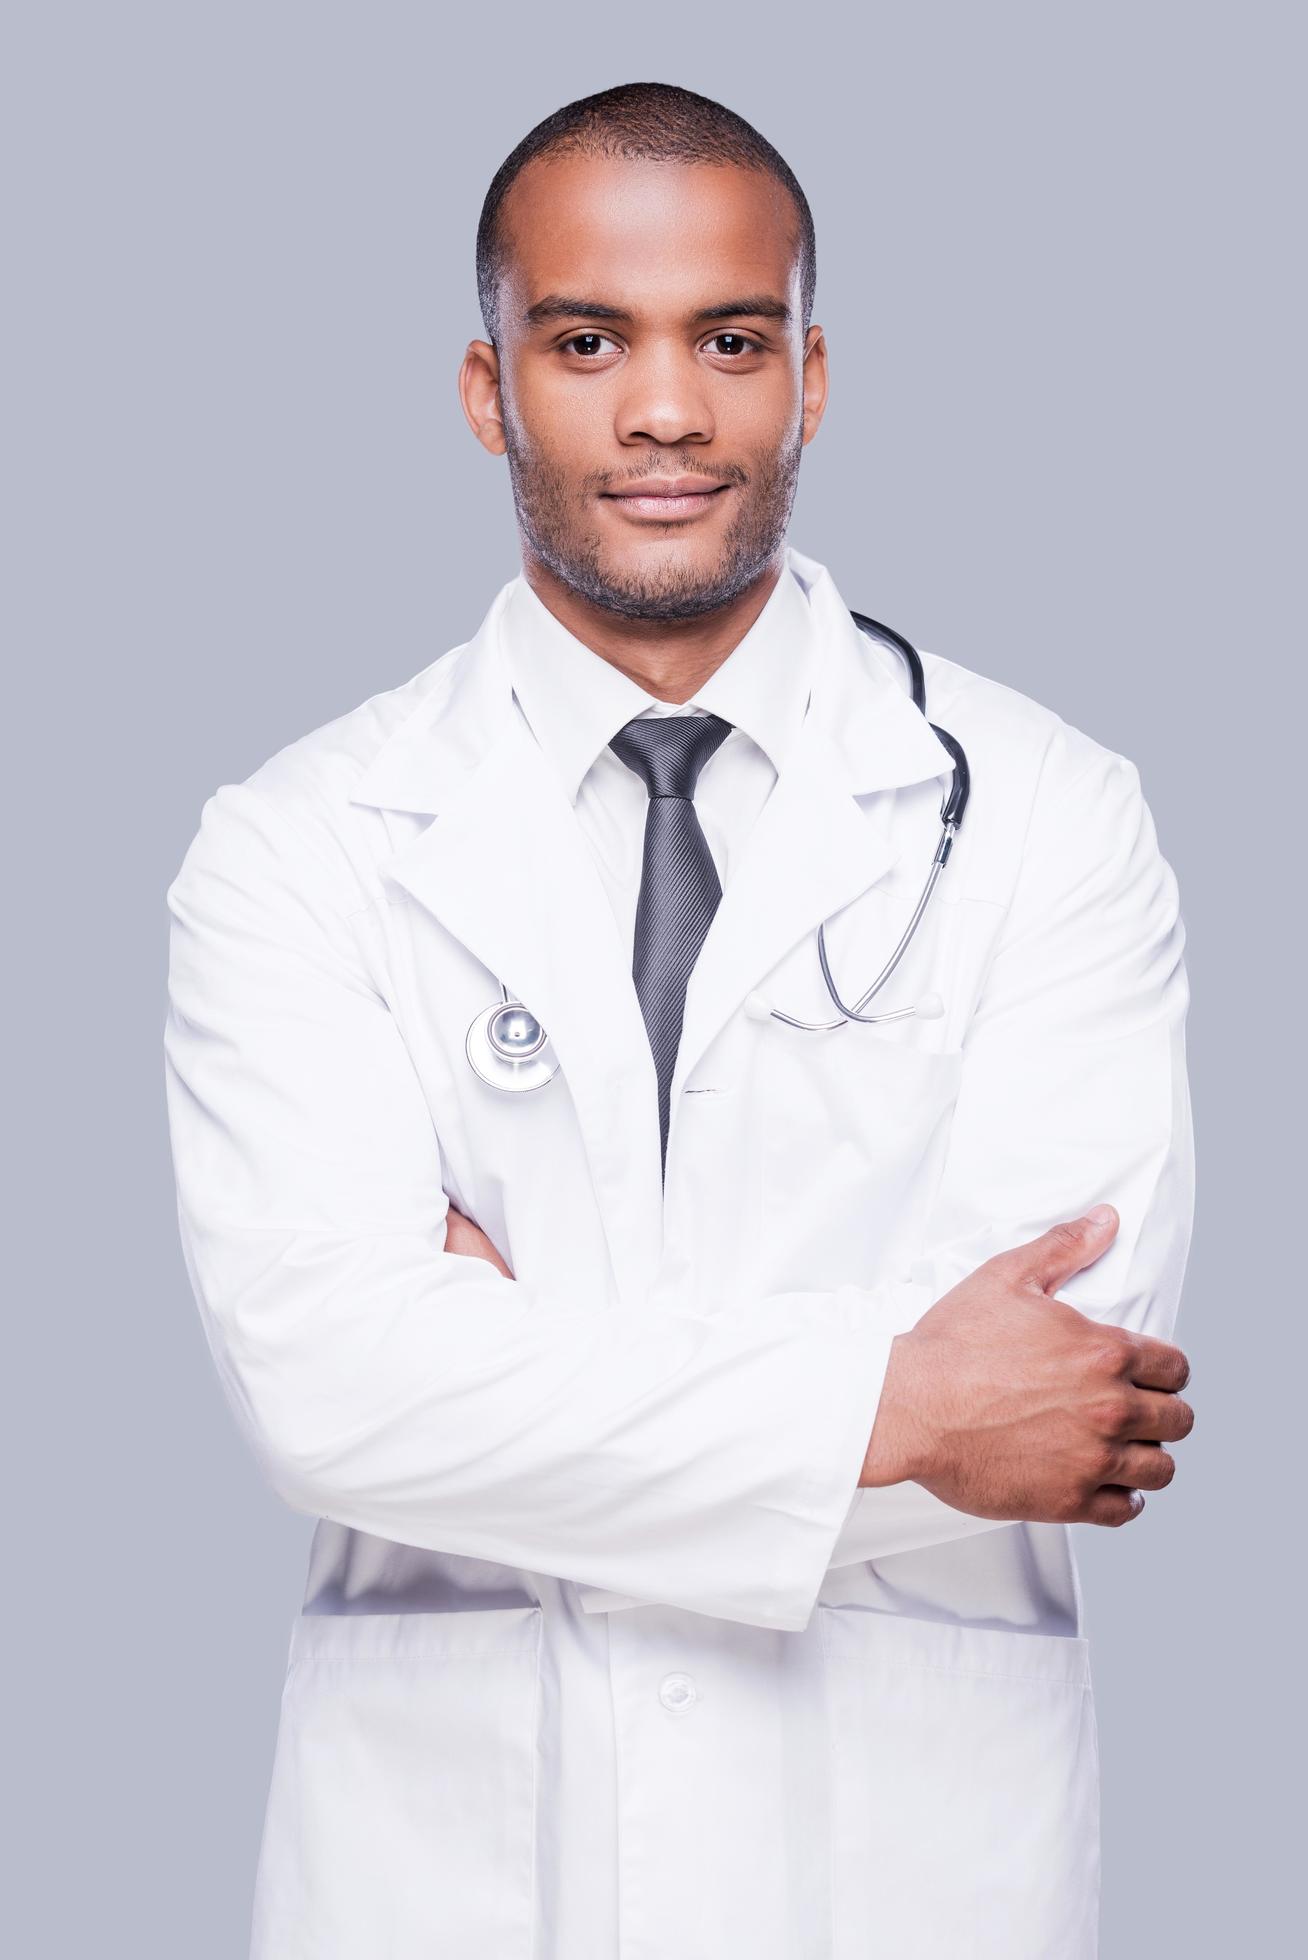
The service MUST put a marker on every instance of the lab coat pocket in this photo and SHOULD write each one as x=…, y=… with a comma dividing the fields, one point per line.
x=401, y=1812
x=965, y=1800
x=852, y=1125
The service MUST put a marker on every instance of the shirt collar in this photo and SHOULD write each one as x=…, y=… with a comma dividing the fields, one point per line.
x=575, y=701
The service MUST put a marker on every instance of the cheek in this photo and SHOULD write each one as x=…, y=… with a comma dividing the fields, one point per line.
x=564, y=426
x=771, y=460
x=763, y=413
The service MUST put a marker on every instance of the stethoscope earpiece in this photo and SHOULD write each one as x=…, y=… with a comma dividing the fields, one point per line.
x=508, y=1048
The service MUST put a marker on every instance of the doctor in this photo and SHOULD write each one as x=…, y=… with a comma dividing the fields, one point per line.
x=692, y=1576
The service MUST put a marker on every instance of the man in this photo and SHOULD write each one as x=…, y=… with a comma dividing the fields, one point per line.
x=693, y=1433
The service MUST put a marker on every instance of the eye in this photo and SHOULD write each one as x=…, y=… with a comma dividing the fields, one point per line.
x=741, y=344
x=588, y=352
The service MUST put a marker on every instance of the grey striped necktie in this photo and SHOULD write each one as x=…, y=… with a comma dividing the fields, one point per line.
x=679, y=886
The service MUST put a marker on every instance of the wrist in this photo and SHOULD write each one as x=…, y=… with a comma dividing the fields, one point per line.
x=895, y=1454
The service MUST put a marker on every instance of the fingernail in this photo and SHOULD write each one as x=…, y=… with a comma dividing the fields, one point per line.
x=1100, y=1215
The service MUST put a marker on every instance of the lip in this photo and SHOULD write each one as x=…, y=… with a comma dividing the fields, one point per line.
x=668, y=499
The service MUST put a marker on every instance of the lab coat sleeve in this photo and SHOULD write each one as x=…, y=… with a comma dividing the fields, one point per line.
x=419, y=1395
x=1073, y=1090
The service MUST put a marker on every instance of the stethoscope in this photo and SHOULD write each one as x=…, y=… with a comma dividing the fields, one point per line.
x=509, y=1049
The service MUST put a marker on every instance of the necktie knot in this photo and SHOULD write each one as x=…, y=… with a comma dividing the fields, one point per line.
x=669, y=751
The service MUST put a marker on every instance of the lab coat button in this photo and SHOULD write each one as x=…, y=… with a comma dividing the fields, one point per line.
x=677, y=1691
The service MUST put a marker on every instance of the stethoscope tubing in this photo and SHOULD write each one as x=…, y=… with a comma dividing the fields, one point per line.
x=519, y=1060
x=952, y=810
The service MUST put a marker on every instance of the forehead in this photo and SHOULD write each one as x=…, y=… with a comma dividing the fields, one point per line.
x=656, y=238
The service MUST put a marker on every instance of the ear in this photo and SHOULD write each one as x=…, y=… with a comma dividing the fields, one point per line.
x=815, y=380
x=479, y=391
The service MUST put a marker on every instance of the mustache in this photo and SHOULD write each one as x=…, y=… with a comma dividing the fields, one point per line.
x=600, y=485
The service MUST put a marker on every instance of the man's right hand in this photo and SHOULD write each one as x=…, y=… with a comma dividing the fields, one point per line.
x=1008, y=1403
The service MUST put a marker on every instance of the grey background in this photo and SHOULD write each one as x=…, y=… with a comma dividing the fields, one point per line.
x=1064, y=447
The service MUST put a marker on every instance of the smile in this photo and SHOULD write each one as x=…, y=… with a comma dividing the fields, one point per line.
x=666, y=507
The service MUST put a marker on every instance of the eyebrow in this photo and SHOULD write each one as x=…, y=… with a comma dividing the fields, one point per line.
x=559, y=306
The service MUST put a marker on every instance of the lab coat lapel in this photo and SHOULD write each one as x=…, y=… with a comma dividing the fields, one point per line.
x=505, y=867
x=823, y=837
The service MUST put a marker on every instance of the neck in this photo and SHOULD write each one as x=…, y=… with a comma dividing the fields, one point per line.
x=669, y=658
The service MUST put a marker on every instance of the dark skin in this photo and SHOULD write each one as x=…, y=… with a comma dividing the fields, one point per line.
x=586, y=405
x=651, y=332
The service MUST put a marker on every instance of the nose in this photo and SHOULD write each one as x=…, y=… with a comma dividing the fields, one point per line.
x=664, y=399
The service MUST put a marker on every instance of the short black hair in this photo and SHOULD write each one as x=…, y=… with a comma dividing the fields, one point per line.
x=654, y=120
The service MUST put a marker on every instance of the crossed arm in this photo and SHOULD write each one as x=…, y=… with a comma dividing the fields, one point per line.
x=385, y=1381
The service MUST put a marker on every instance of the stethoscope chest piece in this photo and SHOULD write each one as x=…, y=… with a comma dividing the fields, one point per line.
x=509, y=1049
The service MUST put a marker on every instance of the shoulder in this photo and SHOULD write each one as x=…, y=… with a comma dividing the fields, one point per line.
x=1012, y=727
x=319, y=770
x=1043, y=789
x=297, y=802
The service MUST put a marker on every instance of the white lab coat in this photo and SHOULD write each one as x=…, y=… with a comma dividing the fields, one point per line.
x=603, y=1654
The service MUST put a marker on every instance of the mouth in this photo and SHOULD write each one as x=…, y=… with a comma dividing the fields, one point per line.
x=668, y=503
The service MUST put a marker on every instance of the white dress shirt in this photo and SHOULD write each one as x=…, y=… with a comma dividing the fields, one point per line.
x=575, y=701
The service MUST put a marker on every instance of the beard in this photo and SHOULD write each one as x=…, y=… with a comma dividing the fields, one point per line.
x=552, y=516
